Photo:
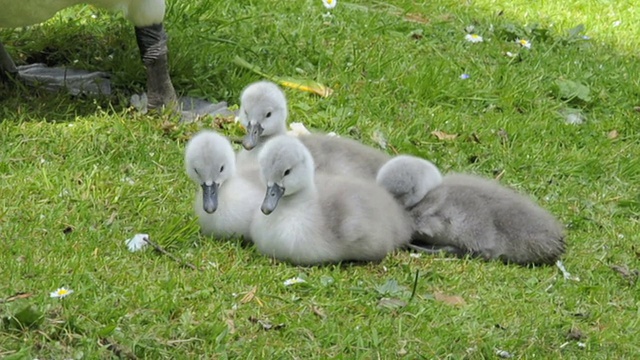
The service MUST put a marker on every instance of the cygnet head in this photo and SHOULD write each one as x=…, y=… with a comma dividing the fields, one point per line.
x=287, y=167
x=263, y=112
x=409, y=178
x=209, y=160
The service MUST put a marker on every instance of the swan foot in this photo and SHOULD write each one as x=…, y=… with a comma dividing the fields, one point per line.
x=75, y=81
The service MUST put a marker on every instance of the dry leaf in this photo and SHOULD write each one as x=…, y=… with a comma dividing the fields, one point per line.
x=249, y=296
x=575, y=334
x=629, y=275
x=504, y=136
x=266, y=325
x=17, y=296
x=449, y=299
x=318, y=311
x=416, y=18
x=305, y=85
x=441, y=135
x=612, y=134
x=231, y=326
x=167, y=126
x=294, y=83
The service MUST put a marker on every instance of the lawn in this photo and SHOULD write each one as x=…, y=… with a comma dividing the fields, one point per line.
x=79, y=176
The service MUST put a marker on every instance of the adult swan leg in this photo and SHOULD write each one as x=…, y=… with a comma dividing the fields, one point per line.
x=147, y=17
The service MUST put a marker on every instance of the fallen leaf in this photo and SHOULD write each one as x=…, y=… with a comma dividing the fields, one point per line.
x=612, y=134
x=504, y=354
x=294, y=83
x=249, y=296
x=167, y=126
x=504, y=136
x=402, y=351
x=449, y=299
x=441, y=135
x=416, y=18
x=231, y=326
x=305, y=85
x=266, y=325
x=16, y=296
x=379, y=138
x=318, y=311
x=391, y=303
x=574, y=334
x=630, y=275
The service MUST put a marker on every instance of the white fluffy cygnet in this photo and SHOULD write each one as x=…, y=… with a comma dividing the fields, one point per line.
x=226, y=199
x=310, y=218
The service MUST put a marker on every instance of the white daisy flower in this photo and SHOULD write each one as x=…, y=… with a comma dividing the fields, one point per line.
x=510, y=54
x=298, y=129
x=295, y=280
x=61, y=292
x=524, y=43
x=137, y=242
x=465, y=76
x=473, y=38
x=330, y=4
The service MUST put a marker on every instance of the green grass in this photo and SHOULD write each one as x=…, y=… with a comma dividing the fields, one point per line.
x=78, y=176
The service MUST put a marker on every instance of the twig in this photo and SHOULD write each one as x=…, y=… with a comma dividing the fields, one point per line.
x=16, y=296
x=165, y=252
x=116, y=349
x=415, y=285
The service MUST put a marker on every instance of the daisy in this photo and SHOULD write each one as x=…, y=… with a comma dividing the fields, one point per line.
x=473, y=38
x=464, y=77
x=524, y=43
x=295, y=280
x=61, y=292
x=330, y=4
x=137, y=242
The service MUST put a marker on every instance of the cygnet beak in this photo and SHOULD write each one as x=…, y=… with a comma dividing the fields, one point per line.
x=210, y=197
x=271, y=198
x=254, y=130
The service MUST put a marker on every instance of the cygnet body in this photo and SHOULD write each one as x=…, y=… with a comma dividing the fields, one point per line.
x=226, y=199
x=310, y=219
x=263, y=112
x=465, y=214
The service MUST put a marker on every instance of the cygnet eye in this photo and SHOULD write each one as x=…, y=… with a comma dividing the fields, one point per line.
x=269, y=114
x=222, y=168
x=286, y=172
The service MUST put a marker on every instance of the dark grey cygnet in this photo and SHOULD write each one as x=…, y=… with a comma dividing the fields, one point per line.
x=465, y=214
